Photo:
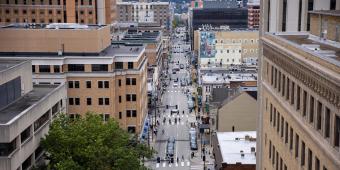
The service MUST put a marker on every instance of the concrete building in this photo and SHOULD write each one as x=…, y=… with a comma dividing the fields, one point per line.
x=223, y=47
x=299, y=121
x=58, y=11
x=253, y=14
x=25, y=114
x=144, y=12
x=112, y=82
x=235, y=150
x=238, y=112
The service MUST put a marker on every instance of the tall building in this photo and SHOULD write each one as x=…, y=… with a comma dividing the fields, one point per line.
x=58, y=11
x=25, y=114
x=110, y=80
x=144, y=12
x=299, y=120
x=253, y=14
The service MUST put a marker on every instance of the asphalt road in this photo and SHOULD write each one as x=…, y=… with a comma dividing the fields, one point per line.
x=180, y=130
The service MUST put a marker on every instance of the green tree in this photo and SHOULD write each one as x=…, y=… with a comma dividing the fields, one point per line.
x=88, y=143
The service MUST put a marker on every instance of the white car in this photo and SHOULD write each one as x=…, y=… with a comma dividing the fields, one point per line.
x=175, y=85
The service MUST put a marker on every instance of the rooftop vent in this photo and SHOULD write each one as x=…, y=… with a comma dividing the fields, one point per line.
x=252, y=149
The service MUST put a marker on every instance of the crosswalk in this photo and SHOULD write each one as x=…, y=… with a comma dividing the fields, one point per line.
x=178, y=116
x=196, y=167
x=165, y=164
x=172, y=123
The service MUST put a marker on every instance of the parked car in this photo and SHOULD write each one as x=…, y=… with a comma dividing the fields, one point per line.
x=175, y=85
x=181, y=66
x=193, y=139
x=175, y=111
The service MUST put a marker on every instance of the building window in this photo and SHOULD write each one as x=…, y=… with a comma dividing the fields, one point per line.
x=130, y=65
x=25, y=134
x=130, y=81
x=27, y=163
x=103, y=84
x=88, y=84
x=131, y=129
x=7, y=148
x=298, y=91
x=120, y=99
x=44, y=68
x=119, y=82
x=311, y=109
x=337, y=131
x=291, y=139
x=89, y=101
x=33, y=68
x=327, y=122
x=286, y=132
x=56, y=68
x=131, y=97
x=118, y=65
x=73, y=84
x=296, y=145
x=103, y=101
x=76, y=67
x=120, y=115
x=318, y=115
x=99, y=67
x=304, y=104
x=105, y=117
x=310, y=159
x=41, y=121
x=74, y=101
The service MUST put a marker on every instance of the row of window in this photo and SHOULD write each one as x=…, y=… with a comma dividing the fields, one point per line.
x=101, y=101
x=44, y=2
x=313, y=111
x=281, y=126
x=101, y=84
x=237, y=41
x=80, y=67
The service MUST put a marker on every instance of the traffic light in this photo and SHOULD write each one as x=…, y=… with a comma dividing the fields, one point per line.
x=176, y=106
x=167, y=106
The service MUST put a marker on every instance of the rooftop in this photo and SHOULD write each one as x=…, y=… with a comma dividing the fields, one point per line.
x=7, y=64
x=123, y=50
x=215, y=78
x=25, y=102
x=141, y=37
x=326, y=12
x=69, y=26
x=234, y=144
x=325, y=50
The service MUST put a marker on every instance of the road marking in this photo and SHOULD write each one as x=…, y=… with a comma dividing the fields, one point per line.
x=187, y=115
x=157, y=165
x=169, y=165
x=182, y=115
x=163, y=164
x=176, y=164
x=182, y=163
x=188, y=163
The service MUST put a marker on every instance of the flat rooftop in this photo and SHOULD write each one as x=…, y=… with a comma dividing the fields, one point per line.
x=324, y=49
x=215, y=78
x=15, y=109
x=7, y=64
x=232, y=144
x=326, y=12
x=123, y=50
x=140, y=37
x=66, y=26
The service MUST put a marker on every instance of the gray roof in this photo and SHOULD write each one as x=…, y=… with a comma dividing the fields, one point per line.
x=7, y=64
x=26, y=101
x=220, y=4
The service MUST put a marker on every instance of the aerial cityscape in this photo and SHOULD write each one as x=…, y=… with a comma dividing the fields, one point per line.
x=169, y=84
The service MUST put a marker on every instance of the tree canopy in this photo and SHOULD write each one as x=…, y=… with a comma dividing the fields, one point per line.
x=91, y=144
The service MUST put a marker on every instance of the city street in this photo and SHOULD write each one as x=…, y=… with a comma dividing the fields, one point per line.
x=175, y=94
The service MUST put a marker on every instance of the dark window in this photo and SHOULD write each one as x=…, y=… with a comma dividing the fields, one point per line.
x=27, y=163
x=304, y=104
x=332, y=5
x=134, y=113
x=38, y=152
x=278, y=122
x=106, y=84
x=288, y=84
x=282, y=126
x=99, y=67
x=119, y=82
x=76, y=84
x=317, y=163
x=318, y=115
x=90, y=2
x=291, y=139
x=90, y=12
x=310, y=158
x=128, y=113
x=303, y=147
x=293, y=92
x=120, y=99
x=268, y=19
x=33, y=68
x=118, y=65
x=41, y=121
x=56, y=68
x=100, y=101
x=311, y=109
x=81, y=2
x=88, y=84
x=270, y=149
x=327, y=122
x=100, y=84
x=133, y=81
x=77, y=101
x=337, y=131
x=130, y=65
x=44, y=68
x=128, y=81
x=120, y=115
x=300, y=11
x=131, y=129
x=88, y=101
x=134, y=97
x=286, y=132
x=7, y=148
x=58, y=2
x=25, y=134
x=70, y=84
x=128, y=97
x=298, y=94
x=296, y=145
x=271, y=112
x=107, y=101
x=50, y=11
x=70, y=101
x=310, y=8
x=76, y=67
x=24, y=11
x=284, y=15
x=106, y=117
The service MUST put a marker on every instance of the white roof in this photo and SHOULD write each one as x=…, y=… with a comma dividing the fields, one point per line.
x=216, y=78
x=231, y=148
